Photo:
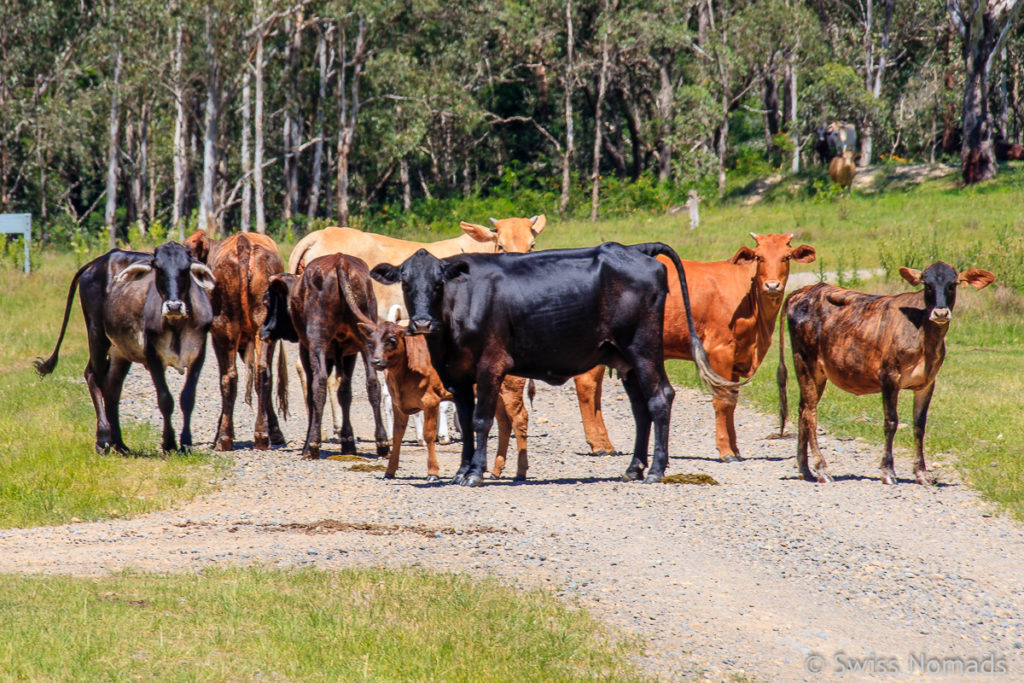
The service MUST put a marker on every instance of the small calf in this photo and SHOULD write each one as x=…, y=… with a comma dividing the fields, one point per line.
x=866, y=344
x=842, y=169
x=415, y=386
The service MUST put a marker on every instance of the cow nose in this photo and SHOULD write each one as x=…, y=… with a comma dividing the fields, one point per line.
x=941, y=315
x=174, y=309
x=773, y=287
x=379, y=363
x=420, y=325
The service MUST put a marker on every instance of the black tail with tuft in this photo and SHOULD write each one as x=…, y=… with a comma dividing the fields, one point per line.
x=45, y=367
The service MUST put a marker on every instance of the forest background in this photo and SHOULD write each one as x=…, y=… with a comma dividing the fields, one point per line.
x=282, y=115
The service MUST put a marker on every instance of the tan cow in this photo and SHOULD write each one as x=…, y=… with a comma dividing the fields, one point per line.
x=842, y=169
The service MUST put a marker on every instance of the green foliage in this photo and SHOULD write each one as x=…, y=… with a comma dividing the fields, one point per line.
x=309, y=625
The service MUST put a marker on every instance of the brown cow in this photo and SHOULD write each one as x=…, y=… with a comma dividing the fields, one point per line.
x=415, y=386
x=866, y=344
x=243, y=265
x=735, y=304
x=842, y=169
x=321, y=311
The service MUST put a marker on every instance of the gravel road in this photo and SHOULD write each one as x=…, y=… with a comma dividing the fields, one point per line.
x=763, y=577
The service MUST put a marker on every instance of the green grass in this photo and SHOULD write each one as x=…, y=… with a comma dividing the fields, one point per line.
x=49, y=471
x=310, y=625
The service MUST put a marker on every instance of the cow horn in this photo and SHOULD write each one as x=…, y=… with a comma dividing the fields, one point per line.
x=494, y=222
x=133, y=272
x=203, y=276
x=755, y=236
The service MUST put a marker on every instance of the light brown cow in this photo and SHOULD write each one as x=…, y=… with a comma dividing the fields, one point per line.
x=415, y=386
x=513, y=235
x=842, y=169
x=735, y=304
x=243, y=265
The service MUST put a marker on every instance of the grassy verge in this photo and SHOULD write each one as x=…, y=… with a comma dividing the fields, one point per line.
x=49, y=471
x=249, y=624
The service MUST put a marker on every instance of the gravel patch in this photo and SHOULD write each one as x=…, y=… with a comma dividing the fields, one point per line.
x=752, y=578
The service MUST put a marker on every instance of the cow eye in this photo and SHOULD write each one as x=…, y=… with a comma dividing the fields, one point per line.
x=392, y=340
x=501, y=249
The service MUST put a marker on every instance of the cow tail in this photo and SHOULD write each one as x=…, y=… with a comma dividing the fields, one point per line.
x=252, y=357
x=700, y=357
x=351, y=298
x=45, y=367
x=531, y=391
x=250, y=366
x=781, y=375
x=282, y=383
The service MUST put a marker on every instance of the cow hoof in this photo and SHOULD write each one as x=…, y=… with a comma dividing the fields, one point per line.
x=473, y=480
x=826, y=478
x=383, y=450
x=261, y=443
x=444, y=442
x=348, y=446
x=632, y=475
x=520, y=478
x=924, y=480
x=389, y=475
x=169, y=447
x=311, y=454
x=729, y=457
x=653, y=478
x=277, y=439
x=457, y=479
x=432, y=478
x=889, y=479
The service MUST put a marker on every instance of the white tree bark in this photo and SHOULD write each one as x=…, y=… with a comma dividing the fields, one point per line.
x=180, y=135
x=246, y=208
x=112, y=153
x=318, y=148
x=348, y=110
x=602, y=87
x=207, y=216
x=563, y=205
x=793, y=124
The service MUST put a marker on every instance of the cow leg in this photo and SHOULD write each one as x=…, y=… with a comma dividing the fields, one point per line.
x=430, y=413
x=400, y=423
x=96, y=378
x=164, y=398
x=225, y=354
x=588, y=393
x=273, y=425
x=890, y=403
x=334, y=382
x=812, y=385
x=314, y=363
x=443, y=435
x=347, y=435
x=387, y=411
x=488, y=385
x=652, y=385
x=922, y=399
x=373, y=392
x=725, y=426
x=260, y=437
x=417, y=421
x=504, y=435
x=188, y=398
x=518, y=420
x=464, y=408
x=642, y=420
x=116, y=373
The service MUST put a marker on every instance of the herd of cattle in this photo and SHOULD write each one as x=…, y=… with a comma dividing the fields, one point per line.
x=485, y=314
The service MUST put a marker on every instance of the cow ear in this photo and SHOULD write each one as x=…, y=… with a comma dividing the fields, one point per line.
x=539, y=222
x=279, y=285
x=134, y=272
x=744, y=256
x=198, y=244
x=911, y=275
x=386, y=274
x=804, y=253
x=976, y=277
x=452, y=271
x=365, y=330
x=203, y=276
x=479, y=232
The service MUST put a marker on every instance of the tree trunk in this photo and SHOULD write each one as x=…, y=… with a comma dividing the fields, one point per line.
x=348, y=111
x=246, y=209
x=318, y=149
x=180, y=135
x=602, y=86
x=665, y=112
x=207, y=217
x=793, y=122
x=112, y=153
x=257, y=157
x=403, y=175
x=563, y=204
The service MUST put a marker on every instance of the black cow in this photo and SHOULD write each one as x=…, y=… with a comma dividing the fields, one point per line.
x=141, y=308
x=547, y=315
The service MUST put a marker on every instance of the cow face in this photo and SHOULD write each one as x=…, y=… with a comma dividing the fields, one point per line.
x=772, y=255
x=278, y=323
x=940, y=281
x=199, y=245
x=423, y=277
x=512, y=235
x=174, y=272
x=385, y=343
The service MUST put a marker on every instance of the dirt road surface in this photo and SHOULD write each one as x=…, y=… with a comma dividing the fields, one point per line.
x=763, y=577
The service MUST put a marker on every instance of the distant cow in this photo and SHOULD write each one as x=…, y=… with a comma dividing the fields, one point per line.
x=243, y=265
x=548, y=315
x=867, y=344
x=1006, y=151
x=415, y=386
x=321, y=311
x=841, y=138
x=735, y=304
x=141, y=308
x=842, y=169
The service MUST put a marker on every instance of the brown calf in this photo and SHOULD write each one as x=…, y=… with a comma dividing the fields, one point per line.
x=735, y=303
x=415, y=386
x=866, y=344
x=243, y=265
x=321, y=311
x=842, y=169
